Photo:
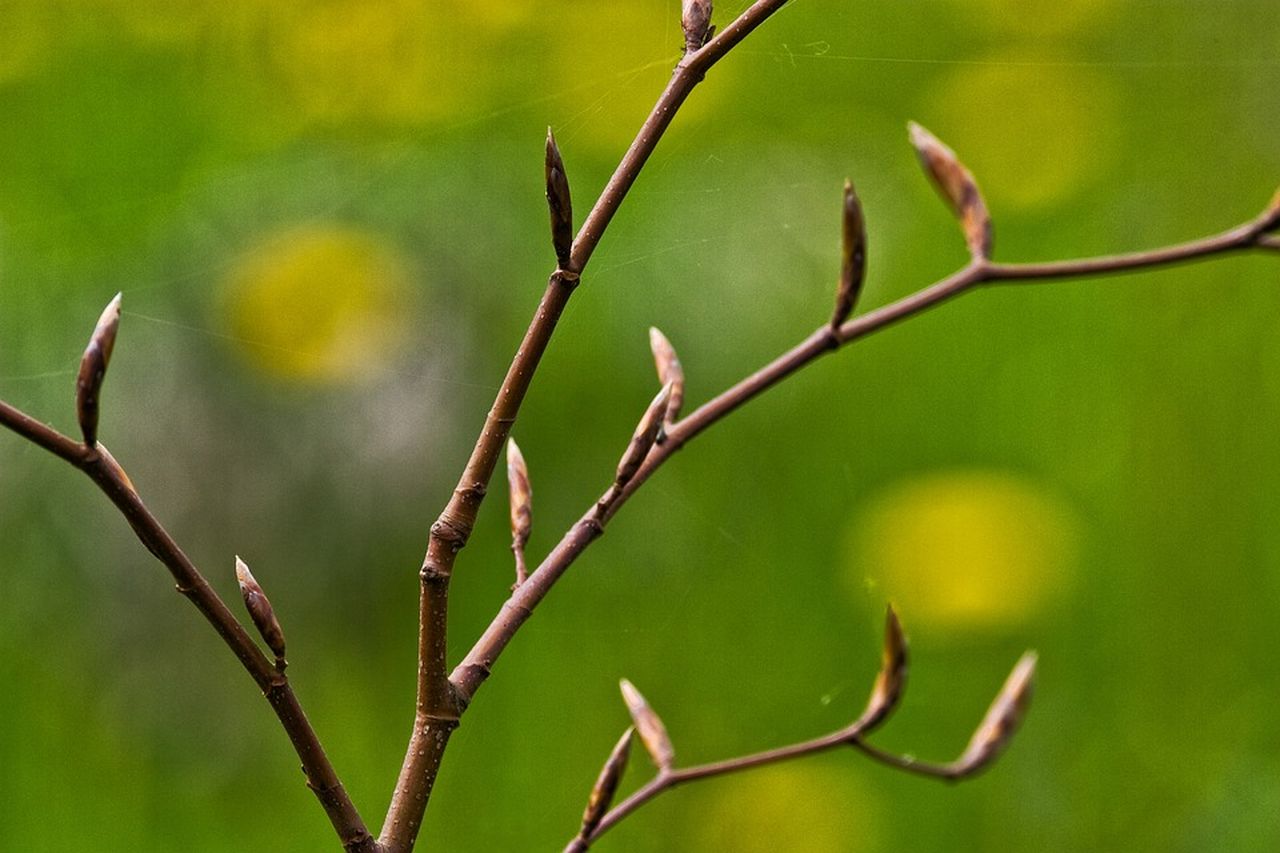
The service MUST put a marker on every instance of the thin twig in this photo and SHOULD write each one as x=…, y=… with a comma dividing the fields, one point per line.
x=476, y=666
x=989, y=739
x=439, y=705
x=102, y=468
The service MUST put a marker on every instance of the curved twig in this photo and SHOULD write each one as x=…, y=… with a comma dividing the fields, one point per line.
x=989, y=739
x=101, y=467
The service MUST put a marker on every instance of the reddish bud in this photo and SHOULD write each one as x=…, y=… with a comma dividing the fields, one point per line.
x=853, y=256
x=260, y=611
x=559, y=203
x=957, y=185
x=93, y=368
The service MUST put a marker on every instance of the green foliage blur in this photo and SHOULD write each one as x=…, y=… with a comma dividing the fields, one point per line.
x=328, y=225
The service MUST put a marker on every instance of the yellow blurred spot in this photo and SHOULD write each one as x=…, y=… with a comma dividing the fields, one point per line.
x=1032, y=133
x=966, y=550
x=822, y=811
x=25, y=35
x=610, y=85
x=387, y=60
x=324, y=303
x=1037, y=17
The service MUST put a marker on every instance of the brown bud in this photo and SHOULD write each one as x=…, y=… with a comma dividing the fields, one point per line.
x=695, y=19
x=853, y=257
x=521, y=494
x=93, y=367
x=644, y=437
x=670, y=371
x=1002, y=719
x=607, y=784
x=559, y=203
x=956, y=183
x=259, y=607
x=521, y=507
x=653, y=734
x=892, y=678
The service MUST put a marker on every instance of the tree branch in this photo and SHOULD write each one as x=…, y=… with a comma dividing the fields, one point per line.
x=102, y=468
x=439, y=705
x=989, y=739
x=476, y=666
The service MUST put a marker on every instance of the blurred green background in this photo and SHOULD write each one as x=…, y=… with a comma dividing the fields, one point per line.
x=326, y=218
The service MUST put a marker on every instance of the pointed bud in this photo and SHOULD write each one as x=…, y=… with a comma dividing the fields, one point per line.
x=259, y=607
x=653, y=734
x=93, y=367
x=607, y=784
x=892, y=678
x=670, y=372
x=521, y=494
x=559, y=203
x=1002, y=719
x=853, y=257
x=644, y=437
x=956, y=183
x=695, y=20
x=521, y=507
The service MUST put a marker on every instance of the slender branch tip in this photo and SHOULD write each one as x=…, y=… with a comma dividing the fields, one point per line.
x=653, y=734
x=891, y=680
x=670, y=372
x=957, y=185
x=853, y=256
x=1002, y=719
x=559, y=203
x=93, y=369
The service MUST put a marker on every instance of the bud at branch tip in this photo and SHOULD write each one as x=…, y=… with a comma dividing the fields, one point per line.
x=606, y=786
x=695, y=20
x=853, y=256
x=653, y=734
x=957, y=185
x=1002, y=719
x=559, y=203
x=892, y=678
x=93, y=368
x=670, y=372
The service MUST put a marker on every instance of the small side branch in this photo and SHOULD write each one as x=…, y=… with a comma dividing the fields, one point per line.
x=990, y=738
x=476, y=666
x=93, y=458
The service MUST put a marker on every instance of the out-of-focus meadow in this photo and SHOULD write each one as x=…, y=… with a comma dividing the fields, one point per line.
x=328, y=225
